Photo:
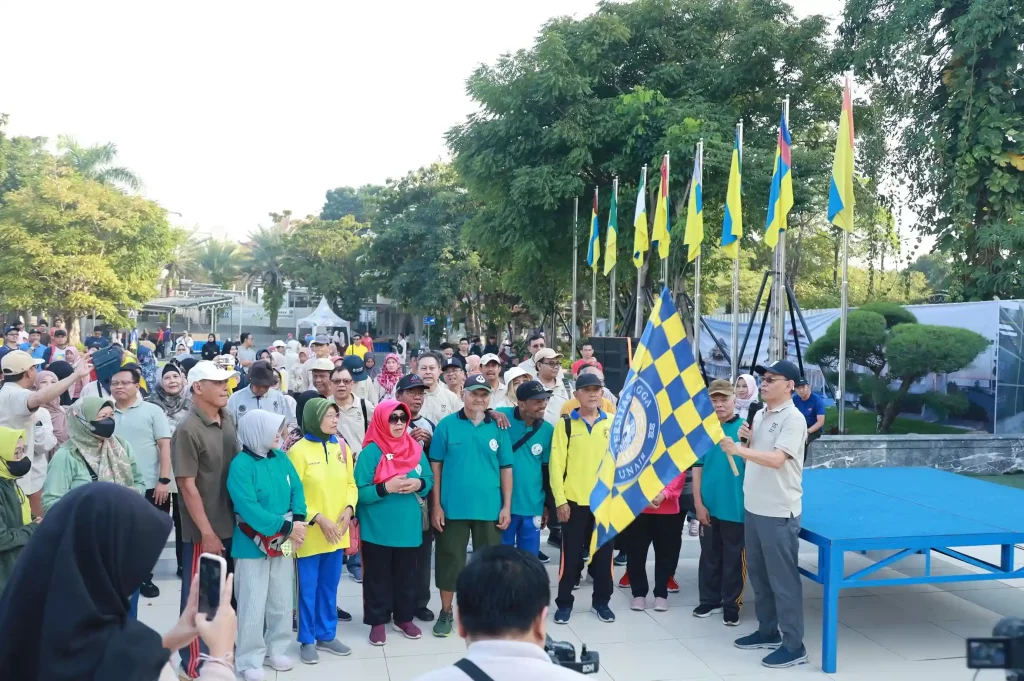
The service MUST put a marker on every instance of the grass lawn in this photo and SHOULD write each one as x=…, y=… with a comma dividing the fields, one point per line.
x=863, y=423
x=1013, y=480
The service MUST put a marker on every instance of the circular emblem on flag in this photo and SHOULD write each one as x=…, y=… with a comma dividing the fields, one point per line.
x=494, y=445
x=537, y=449
x=634, y=431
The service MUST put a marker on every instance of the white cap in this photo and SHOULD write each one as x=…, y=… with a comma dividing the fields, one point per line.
x=208, y=371
x=279, y=344
x=512, y=374
x=488, y=358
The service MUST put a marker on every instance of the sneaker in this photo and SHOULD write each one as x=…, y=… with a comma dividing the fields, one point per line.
x=576, y=586
x=562, y=615
x=308, y=654
x=378, y=635
x=706, y=610
x=149, y=589
x=604, y=613
x=409, y=629
x=178, y=571
x=660, y=604
x=758, y=640
x=424, y=614
x=673, y=585
x=254, y=674
x=279, y=663
x=731, y=619
x=624, y=582
x=543, y=557
x=782, y=658
x=620, y=559
x=443, y=625
x=357, y=573
x=334, y=646
x=694, y=527
x=639, y=603
x=344, y=616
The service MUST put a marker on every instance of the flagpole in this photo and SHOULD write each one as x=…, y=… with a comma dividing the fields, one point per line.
x=844, y=309
x=734, y=350
x=696, y=268
x=575, y=267
x=778, y=283
x=638, y=319
x=593, y=282
x=668, y=213
x=611, y=282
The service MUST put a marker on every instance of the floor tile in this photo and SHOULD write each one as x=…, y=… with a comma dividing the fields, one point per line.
x=628, y=626
x=1008, y=602
x=916, y=641
x=409, y=667
x=803, y=672
x=972, y=628
x=650, y=661
x=854, y=650
x=942, y=605
x=332, y=668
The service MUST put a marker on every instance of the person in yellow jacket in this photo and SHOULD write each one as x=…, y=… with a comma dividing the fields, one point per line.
x=324, y=464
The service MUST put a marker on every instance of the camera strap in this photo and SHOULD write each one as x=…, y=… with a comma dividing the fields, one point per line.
x=468, y=668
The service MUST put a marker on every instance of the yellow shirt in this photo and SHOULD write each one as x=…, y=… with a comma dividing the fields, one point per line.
x=573, y=468
x=329, y=487
x=606, y=406
x=356, y=349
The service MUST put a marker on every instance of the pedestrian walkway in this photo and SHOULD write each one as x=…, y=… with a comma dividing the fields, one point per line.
x=885, y=633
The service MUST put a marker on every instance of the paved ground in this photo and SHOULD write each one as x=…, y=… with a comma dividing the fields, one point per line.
x=886, y=633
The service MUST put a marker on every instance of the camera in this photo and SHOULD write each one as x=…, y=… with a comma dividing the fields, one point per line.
x=563, y=654
x=1003, y=650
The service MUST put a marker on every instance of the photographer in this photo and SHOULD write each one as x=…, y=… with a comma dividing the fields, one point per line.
x=502, y=597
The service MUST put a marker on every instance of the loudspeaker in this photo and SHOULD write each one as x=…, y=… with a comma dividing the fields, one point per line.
x=614, y=354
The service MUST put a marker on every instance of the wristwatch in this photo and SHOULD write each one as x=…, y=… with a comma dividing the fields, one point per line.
x=164, y=481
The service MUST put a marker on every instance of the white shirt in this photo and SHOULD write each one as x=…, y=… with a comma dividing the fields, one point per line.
x=506, y=661
x=14, y=413
x=559, y=396
x=439, y=402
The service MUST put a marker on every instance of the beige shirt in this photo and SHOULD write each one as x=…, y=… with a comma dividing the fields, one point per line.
x=439, y=402
x=776, y=493
x=498, y=397
x=353, y=422
x=368, y=390
x=559, y=396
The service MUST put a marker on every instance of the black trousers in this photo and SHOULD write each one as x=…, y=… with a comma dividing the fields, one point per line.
x=576, y=535
x=722, y=569
x=423, y=580
x=665, y=532
x=172, y=506
x=389, y=583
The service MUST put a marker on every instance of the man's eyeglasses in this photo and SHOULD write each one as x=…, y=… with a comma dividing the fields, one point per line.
x=341, y=381
x=551, y=363
x=121, y=384
x=398, y=417
x=768, y=381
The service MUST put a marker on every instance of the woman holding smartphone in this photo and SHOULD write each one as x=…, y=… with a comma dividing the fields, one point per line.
x=324, y=465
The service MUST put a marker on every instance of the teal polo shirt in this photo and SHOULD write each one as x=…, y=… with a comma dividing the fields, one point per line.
x=721, y=491
x=528, y=462
x=472, y=457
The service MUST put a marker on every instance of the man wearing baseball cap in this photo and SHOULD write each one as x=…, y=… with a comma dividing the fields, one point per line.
x=11, y=341
x=471, y=458
x=772, y=502
x=490, y=367
x=812, y=406
x=438, y=401
x=362, y=386
x=453, y=370
x=549, y=371
x=321, y=350
x=261, y=393
x=18, y=405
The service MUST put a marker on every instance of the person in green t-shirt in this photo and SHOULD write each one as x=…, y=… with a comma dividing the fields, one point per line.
x=531, y=451
x=718, y=498
x=471, y=458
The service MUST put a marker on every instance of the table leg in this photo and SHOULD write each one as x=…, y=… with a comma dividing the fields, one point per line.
x=832, y=575
x=1006, y=557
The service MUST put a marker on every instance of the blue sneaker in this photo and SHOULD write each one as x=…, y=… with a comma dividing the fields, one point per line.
x=782, y=658
x=620, y=559
x=758, y=640
x=603, y=612
x=562, y=615
x=357, y=573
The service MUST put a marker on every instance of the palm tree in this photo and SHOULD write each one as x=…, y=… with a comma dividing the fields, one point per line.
x=95, y=163
x=219, y=259
x=263, y=261
x=183, y=261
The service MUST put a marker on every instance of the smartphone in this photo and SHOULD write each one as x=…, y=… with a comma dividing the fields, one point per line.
x=212, y=573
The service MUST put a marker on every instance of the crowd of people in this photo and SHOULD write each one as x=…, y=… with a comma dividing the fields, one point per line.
x=295, y=464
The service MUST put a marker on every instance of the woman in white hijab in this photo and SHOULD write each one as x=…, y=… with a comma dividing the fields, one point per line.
x=746, y=393
x=270, y=509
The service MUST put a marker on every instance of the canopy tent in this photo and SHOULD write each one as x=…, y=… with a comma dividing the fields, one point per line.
x=323, y=315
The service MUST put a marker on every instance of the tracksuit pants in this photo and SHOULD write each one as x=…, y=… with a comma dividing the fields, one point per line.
x=772, y=545
x=576, y=534
x=523, y=532
x=263, y=589
x=664, y=530
x=423, y=580
x=318, y=595
x=190, y=661
x=389, y=583
x=722, y=568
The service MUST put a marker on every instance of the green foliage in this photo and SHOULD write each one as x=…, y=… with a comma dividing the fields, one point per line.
x=936, y=268
x=894, y=314
x=947, y=77
x=183, y=261
x=863, y=423
x=261, y=261
x=323, y=255
x=219, y=261
x=95, y=163
x=359, y=203
x=865, y=342
x=916, y=350
x=21, y=159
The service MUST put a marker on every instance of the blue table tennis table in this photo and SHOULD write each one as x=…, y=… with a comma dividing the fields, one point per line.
x=909, y=510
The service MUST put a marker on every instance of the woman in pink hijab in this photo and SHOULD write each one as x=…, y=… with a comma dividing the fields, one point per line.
x=58, y=416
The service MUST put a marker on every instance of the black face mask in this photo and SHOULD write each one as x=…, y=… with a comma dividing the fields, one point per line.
x=103, y=428
x=20, y=467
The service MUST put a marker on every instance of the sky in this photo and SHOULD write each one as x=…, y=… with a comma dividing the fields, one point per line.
x=229, y=111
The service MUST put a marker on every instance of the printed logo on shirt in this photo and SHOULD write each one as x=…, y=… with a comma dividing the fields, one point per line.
x=537, y=449
x=389, y=457
x=537, y=521
x=493, y=445
x=241, y=408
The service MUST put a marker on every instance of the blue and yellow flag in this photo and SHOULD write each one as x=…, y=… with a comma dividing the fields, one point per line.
x=594, y=250
x=840, y=192
x=780, y=198
x=732, y=223
x=693, y=236
x=611, y=240
x=662, y=232
x=664, y=423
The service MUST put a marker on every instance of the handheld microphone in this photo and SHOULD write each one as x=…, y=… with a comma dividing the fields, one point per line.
x=751, y=411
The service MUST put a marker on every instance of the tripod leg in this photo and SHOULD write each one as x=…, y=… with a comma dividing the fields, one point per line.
x=750, y=325
x=760, y=334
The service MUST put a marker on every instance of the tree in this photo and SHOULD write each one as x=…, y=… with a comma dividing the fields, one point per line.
x=359, y=203
x=219, y=260
x=74, y=246
x=323, y=255
x=947, y=80
x=21, y=159
x=262, y=262
x=936, y=269
x=95, y=163
x=183, y=262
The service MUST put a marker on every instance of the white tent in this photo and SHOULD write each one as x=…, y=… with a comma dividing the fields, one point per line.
x=323, y=315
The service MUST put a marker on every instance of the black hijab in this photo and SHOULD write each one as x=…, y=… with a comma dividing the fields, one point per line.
x=300, y=404
x=64, y=613
x=62, y=370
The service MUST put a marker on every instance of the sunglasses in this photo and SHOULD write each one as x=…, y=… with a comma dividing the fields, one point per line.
x=398, y=417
